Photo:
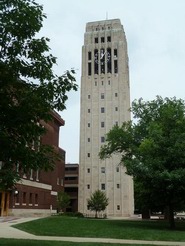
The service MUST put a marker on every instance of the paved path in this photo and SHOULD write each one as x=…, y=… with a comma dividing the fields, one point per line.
x=6, y=231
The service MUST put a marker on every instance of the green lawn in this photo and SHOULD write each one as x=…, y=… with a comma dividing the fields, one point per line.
x=20, y=242
x=121, y=229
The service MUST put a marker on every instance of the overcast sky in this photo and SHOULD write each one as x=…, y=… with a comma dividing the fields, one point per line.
x=155, y=31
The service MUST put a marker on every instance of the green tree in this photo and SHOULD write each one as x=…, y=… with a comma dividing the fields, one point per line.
x=97, y=202
x=29, y=90
x=63, y=200
x=152, y=149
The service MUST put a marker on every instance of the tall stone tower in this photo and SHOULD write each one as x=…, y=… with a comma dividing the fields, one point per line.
x=105, y=102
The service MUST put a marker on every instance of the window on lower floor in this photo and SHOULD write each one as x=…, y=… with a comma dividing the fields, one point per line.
x=118, y=207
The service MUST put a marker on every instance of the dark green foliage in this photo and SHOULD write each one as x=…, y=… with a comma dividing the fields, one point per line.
x=152, y=149
x=97, y=202
x=29, y=90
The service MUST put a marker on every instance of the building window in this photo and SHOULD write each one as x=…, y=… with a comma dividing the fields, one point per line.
x=102, y=124
x=102, y=40
x=30, y=199
x=116, y=123
x=88, y=139
x=109, y=39
x=24, y=198
x=89, y=96
x=31, y=174
x=88, y=170
x=96, y=40
x=89, y=69
x=116, y=94
x=88, y=154
x=102, y=110
x=115, y=53
x=36, y=199
x=117, y=169
x=89, y=110
x=102, y=169
x=118, y=207
x=115, y=66
x=95, y=83
x=89, y=55
x=37, y=175
x=88, y=124
x=88, y=186
x=102, y=96
x=118, y=186
x=102, y=139
x=102, y=186
x=108, y=82
x=102, y=83
x=116, y=108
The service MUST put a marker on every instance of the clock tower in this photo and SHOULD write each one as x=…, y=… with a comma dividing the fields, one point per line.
x=105, y=102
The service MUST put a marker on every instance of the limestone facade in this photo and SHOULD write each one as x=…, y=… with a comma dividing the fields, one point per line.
x=105, y=101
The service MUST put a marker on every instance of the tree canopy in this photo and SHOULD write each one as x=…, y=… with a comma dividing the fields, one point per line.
x=97, y=202
x=29, y=90
x=152, y=148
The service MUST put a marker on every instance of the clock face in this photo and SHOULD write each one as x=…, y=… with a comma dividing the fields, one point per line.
x=102, y=56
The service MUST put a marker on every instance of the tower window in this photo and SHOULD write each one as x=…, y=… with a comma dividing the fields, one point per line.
x=89, y=96
x=102, y=96
x=109, y=39
x=96, y=40
x=116, y=108
x=88, y=170
x=102, y=186
x=102, y=169
x=95, y=83
x=102, y=110
x=118, y=207
x=102, y=39
x=115, y=53
x=88, y=186
x=88, y=124
x=88, y=154
x=89, y=69
x=88, y=140
x=109, y=82
x=102, y=139
x=89, y=110
x=102, y=124
x=116, y=123
x=89, y=56
x=118, y=186
x=117, y=169
x=116, y=94
x=115, y=66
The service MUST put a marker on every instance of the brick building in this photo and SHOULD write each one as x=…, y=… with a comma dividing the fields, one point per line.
x=36, y=192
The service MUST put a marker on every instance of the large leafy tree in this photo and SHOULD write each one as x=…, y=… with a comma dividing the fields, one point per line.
x=29, y=90
x=97, y=202
x=153, y=151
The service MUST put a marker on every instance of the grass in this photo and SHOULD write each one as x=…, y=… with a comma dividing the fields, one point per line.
x=120, y=229
x=21, y=242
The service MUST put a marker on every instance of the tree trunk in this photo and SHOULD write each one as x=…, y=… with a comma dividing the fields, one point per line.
x=145, y=213
x=96, y=214
x=171, y=217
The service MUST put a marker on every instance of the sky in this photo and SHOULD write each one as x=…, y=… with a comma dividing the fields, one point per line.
x=155, y=31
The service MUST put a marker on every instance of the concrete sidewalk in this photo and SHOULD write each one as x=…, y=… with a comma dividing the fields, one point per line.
x=6, y=231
